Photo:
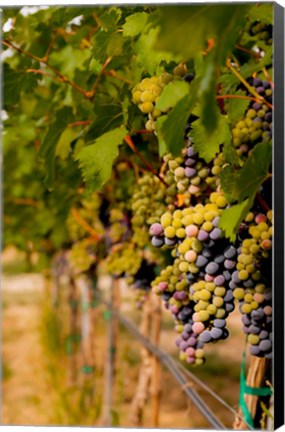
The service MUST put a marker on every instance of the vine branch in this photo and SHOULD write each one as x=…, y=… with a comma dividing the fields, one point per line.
x=132, y=146
x=77, y=216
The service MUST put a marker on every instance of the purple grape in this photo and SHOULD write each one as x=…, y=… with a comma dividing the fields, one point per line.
x=216, y=333
x=178, y=342
x=227, y=275
x=170, y=242
x=219, y=258
x=205, y=336
x=219, y=280
x=246, y=330
x=265, y=345
x=188, y=328
x=254, y=350
x=216, y=221
x=216, y=234
x=207, y=253
x=257, y=82
x=180, y=295
x=219, y=322
x=203, y=235
x=263, y=334
x=191, y=342
x=229, y=264
x=256, y=106
x=185, y=335
x=254, y=329
x=230, y=252
x=190, y=162
x=245, y=320
x=268, y=356
x=190, y=172
x=229, y=296
x=201, y=261
x=190, y=151
x=260, y=90
x=212, y=268
x=229, y=307
x=266, y=84
x=268, y=117
x=157, y=241
x=235, y=277
x=183, y=345
x=156, y=229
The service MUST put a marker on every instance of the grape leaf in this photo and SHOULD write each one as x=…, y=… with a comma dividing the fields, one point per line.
x=237, y=107
x=173, y=128
x=262, y=12
x=171, y=94
x=147, y=55
x=48, y=147
x=162, y=147
x=245, y=182
x=15, y=82
x=208, y=146
x=107, y=116
x=96, y=160
x=202, y=23
x=232, y=217
x=135, y=24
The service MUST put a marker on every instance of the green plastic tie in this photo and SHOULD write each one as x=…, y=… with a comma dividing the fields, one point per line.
x=245, y=389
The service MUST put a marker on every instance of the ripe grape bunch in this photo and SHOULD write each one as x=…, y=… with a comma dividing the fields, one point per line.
x=251, y=284
x=196, y=288
x=146, y=94
x=257, y=123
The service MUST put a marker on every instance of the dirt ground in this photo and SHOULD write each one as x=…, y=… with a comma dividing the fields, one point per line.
x=30, y=398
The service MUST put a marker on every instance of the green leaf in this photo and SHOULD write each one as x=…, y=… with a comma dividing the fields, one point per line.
x=16, y=82
x=262, y=12
x=47, y=150
x=162, y=147
x=107, y=116
x=147, y=55
x=245, y=182
x=200, y=23
x=107, y=44
x=171, y=94
x=237, y=107
x=173, y=128
x=135, y=24
x=232, y=217
x=96, y=160
x=208, y=146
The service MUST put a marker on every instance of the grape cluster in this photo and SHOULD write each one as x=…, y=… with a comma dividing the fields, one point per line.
x=82, y=255
x=147, y=205
x=196, y=288
x=146, y=94
x=251, y=284
x=257, y=123
x=123, y=260
x=189, y=173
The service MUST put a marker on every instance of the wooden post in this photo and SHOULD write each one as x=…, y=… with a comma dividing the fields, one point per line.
x=73, y=366
x=256, y=377
x=156, y=367
x=141, y=395
x=110, y=367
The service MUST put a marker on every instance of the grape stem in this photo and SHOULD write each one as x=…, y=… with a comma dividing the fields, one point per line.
x=132, y=146
x=261, y=201
x=252, y=53
x=43, y=60
x=77, y=216
x=229, y=96
x=245, y=83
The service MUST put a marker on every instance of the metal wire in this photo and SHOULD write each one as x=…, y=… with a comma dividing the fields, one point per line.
x=211, y=392
x=173, y=368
